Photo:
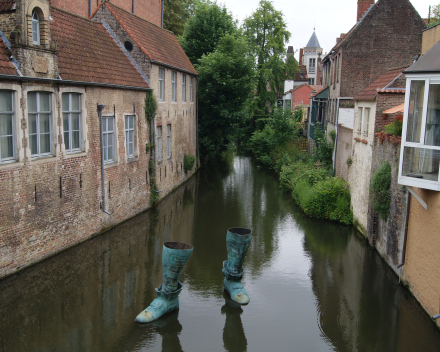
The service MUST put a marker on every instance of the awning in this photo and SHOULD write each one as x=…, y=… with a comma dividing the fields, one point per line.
x=398, y=108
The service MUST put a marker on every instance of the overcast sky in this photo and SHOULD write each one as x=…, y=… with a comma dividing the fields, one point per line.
x=331, y=18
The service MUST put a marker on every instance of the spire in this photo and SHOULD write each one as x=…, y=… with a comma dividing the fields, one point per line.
x=313, y=41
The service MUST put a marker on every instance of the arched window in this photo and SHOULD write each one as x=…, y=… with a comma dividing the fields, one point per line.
x=35, y=27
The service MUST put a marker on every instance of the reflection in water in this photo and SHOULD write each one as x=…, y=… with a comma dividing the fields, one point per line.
x=315, y=285
x=234, y=339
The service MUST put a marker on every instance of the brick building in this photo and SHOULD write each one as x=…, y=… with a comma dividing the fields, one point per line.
x=71, y=92
x=387, y=34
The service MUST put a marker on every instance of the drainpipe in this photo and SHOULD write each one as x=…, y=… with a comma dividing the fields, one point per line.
x=100, y=108
x=162, y=14
x=90, y=8
x=405, y=236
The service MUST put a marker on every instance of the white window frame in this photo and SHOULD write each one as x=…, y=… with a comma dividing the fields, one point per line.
x=38, y=134
x=159, y=142
x=105, y=135
x=360, y=113
x=367, y=121
x=183, y=87
x=12, y=116
x=35, y=27
x=415, y=181
x=161, y=84
x=191, y=96
x=173, y=85
x=130, y=135
x=69, y=111
x=168, y=141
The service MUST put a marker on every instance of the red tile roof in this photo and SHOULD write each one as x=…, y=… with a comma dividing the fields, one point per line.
x=6, y=66
x=319, y=91
x=7, y=5
x=87, y=52
x=301, y=75
x=380, y=84
x=157, y=43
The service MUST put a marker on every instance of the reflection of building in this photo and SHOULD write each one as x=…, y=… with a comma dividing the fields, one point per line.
x=419, y=172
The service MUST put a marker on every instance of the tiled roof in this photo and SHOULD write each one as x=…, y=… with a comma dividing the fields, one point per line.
x=301, y=75
x=87, y=53
x=6, y=66
x=7, y=5
x=157, y=43
x=319, y=91
x=380, y=84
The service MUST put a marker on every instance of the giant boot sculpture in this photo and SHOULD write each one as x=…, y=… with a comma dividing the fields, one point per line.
x=237, y=244
x=174, y=257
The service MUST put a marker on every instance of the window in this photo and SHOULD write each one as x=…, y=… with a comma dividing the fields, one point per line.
x=35, y=27
x=6, y=126
x=420, y=155
x=360, y=121
x=312, y=64
x=39, y=113
x=311, y=81
x=108, y=138
x=129, y=136
x=71, y=104
x=173, y=86
x=168, y=141
x=161, y=83
x=183, y=87
x=159, y=142
x=191, y=96
x=367, y=121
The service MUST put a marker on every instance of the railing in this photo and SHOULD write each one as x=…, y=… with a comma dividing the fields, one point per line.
x=304, y=145
x=311, y=69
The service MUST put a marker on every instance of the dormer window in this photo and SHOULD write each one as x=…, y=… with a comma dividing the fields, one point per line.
x=35, y=27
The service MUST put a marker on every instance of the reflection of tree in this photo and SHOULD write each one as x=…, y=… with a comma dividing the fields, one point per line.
x=234, y=339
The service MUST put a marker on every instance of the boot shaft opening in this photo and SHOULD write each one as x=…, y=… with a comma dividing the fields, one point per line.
x=177, y=245
x=239, y=231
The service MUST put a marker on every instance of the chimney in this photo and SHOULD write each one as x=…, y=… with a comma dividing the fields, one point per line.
x=289, y=50
x=363, y=6
x=301, y=51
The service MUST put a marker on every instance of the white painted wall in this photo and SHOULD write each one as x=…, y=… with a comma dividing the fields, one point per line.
x=288, y=85
x=346, y=117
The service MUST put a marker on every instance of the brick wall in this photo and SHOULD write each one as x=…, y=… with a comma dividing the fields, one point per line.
x=386, y=101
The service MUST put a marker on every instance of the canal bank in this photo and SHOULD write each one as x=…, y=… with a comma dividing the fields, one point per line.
x=314, y=285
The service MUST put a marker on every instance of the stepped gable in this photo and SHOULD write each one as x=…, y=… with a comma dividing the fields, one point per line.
x=87, y=53
x=381, y=84
x=159, y=44
x=6, y=66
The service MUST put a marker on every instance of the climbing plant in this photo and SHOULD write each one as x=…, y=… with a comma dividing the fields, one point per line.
x=380, y=192
x=150, y=110
x=150, y=105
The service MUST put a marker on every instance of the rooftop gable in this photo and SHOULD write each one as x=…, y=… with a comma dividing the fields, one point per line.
x=388, y=79
x=87, y=53
x=159, y=44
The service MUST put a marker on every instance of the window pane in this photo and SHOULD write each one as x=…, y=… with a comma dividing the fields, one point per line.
x=126, y=122
x=5, y=124
x=32, y=124
x=33, y=144
x=131, y=124
x=432, y=132
x=66, y=140
x=6, y=147
x=75, y=102
x=421, y=163
x=35, y=31
x=44, y=143
x=44, y=123
x=415, y=111
x=110, y=147
x=44, y=101
x=75, y=140
x=5, y=100
x=110, y=140
x=104, y=142
x=32, y=102
x=74, y=121
x=131, y=136
x=65, y=102
x=110, y=124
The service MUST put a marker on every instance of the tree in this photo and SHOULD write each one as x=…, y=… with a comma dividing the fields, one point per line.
x=434, y=15
x=175, y=15
x=267, y=32
x=226, y=83
x=204, y=30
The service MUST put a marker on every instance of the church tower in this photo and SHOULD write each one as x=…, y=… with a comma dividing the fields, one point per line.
x=309, y=56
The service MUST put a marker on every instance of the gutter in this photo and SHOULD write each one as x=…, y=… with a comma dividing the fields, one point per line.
x=173, y=67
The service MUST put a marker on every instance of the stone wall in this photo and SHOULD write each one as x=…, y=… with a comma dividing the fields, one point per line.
x=343, y=151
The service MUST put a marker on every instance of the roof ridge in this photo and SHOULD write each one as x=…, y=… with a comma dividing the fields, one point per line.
x=75, y=15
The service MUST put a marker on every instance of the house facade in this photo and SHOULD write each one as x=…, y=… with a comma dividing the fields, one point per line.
x=75, y=141
x=310, y=56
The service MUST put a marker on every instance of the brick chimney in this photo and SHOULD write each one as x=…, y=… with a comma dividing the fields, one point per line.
x=363, y=6
x=301, y=53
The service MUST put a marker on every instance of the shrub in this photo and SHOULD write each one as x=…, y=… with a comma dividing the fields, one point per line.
x=299, y=171
x=324, y=149
x=188, y=162
x=380, y=193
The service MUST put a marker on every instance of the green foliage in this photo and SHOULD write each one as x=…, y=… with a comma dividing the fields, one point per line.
x=349, y=161
x=434, y=15
x=296, y=172
x=175, y=15
x=298, y=114
x=225, y=89
x=380, y=193
x=188, y=162
x=267, y=33
x=332, y=135
x=154, y=196
x=150, y=105
x=394, y=128
x=204, y=30
x=323, y=150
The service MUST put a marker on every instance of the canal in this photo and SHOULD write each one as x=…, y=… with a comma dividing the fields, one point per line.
x=313, y=285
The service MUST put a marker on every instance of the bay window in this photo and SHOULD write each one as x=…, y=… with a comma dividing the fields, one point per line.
x=6, y=126
x=39, y=118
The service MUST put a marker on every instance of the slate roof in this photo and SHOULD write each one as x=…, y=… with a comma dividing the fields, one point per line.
x=313, y=41
x=381, y=84
x=87, y=53
x=159, y=44
x=7, y=5
x=6, y=66
x=428, y=63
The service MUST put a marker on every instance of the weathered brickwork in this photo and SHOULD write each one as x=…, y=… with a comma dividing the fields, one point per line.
x=343, y=151
x=8, y=23
x=387, y=101
x=150, y=10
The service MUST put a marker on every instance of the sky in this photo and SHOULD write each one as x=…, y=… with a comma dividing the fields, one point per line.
x=331, y=18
